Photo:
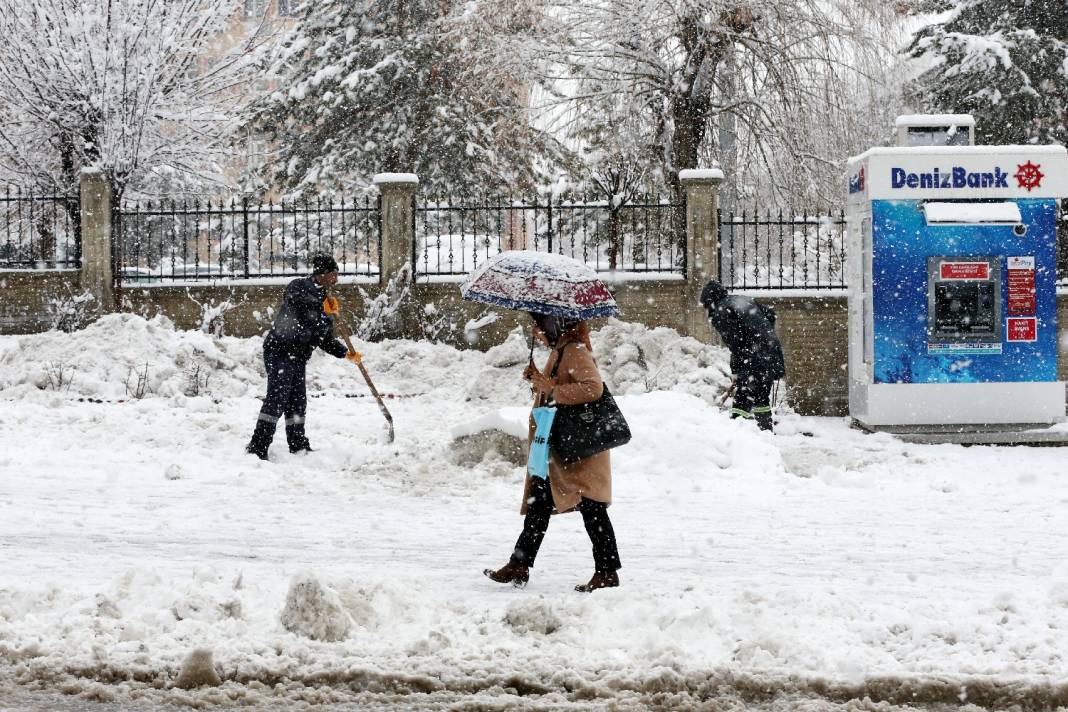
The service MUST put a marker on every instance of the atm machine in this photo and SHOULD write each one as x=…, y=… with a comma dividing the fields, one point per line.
x=951, y=266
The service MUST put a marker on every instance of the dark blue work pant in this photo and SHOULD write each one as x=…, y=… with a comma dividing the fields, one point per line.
x=752, y=397
x=287, y=394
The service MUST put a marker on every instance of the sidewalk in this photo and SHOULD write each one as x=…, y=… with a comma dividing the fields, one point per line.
x=828, y=560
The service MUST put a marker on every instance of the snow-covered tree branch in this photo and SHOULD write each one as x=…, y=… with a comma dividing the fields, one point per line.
x=133, y=88
x=685, y=65
x=398, y=86
x=1006, y=63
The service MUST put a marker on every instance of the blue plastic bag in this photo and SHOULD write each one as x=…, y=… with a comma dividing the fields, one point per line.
x=538, y=460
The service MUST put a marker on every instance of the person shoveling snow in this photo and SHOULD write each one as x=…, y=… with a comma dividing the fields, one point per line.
x=302, y=324
x=748, y=330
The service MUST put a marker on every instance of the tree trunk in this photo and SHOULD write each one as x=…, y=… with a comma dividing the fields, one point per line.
x=615, y=237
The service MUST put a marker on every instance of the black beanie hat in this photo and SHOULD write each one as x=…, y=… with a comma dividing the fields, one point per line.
x=713, y=293
x=323, y=263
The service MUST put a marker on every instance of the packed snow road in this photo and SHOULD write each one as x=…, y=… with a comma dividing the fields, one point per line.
x=760, y=572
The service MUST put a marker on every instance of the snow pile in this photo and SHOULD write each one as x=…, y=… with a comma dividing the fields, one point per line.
x=198, y=670
x=632, y=358
x=126, y=357
x=500, y=380
x=636, y=359
x=315, y=611
x=533, y=616
x=752, y=561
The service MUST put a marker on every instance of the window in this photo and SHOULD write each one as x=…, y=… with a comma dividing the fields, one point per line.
x=254, y=9
x=939, y=135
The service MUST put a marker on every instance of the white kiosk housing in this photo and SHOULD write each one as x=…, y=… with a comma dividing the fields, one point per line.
x=935, y=130
x=951, y=266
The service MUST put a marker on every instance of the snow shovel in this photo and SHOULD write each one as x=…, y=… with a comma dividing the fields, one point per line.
x=363, y=369
x=728, y=393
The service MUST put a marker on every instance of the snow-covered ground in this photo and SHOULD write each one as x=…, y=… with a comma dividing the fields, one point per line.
x=808, y=570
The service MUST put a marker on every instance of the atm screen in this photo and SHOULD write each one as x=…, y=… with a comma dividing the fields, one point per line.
x=964, y=309
x=964, y=304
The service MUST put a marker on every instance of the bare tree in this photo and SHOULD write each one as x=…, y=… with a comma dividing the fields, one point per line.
x=788, y=60
x=133, y=88
x=846, y=107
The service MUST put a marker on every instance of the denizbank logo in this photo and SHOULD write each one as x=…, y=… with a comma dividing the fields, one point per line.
x=956, y=177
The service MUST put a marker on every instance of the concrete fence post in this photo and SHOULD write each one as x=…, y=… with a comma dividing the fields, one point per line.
x=701, y=187
x=96, y=271
x=398, y=235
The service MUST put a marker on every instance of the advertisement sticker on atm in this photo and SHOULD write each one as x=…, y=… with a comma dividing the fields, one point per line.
x=1021, y=329
x=964, y=270
x=856, y=182
x=1021, y=282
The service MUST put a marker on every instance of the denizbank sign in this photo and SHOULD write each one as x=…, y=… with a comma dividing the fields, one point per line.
x=956, y=177
x=964, y=172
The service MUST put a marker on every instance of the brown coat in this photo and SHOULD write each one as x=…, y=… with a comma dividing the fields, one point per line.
x=577, y=381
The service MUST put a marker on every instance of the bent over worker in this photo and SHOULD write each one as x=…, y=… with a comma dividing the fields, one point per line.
x=748, y=330
x=303, y=323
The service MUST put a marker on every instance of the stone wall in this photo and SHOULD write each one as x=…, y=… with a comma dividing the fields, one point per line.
x=815, y=341
x=25, y=297
x=812, y=329
x=654, y=303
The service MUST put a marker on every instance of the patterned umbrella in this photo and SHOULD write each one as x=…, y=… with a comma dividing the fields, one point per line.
x=540, y=282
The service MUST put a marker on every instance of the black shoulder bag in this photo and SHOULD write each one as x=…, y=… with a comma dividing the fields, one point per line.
x=586, y=429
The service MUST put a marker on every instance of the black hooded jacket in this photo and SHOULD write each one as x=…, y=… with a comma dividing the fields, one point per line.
x=301, y=324
x=748, y=330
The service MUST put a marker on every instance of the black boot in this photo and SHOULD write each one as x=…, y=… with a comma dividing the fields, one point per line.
x=261, y=439
x=301, y=445
x=297, y=439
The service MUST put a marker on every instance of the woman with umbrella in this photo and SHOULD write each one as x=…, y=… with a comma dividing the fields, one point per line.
x=560, y=295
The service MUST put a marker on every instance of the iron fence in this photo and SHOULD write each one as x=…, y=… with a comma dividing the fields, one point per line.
x=782, y=250
x=643, y=236
x=39, y=231
x=171, y=241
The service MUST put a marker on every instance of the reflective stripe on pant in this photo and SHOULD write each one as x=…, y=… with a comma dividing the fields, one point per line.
x=286, y=393
x=752, y=398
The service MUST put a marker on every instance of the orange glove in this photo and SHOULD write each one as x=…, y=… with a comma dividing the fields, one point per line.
x=354, y=356
x=331, y=306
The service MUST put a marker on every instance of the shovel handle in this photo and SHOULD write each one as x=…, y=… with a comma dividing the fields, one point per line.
x=343, y=330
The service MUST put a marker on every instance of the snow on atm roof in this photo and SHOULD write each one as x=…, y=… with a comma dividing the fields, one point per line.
x=1001, y=213
x=934, y=120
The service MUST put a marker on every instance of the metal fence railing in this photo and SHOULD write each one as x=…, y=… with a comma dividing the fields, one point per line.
x=39, y=231
x=782, y=250
x=171, y=241
x=455, y=237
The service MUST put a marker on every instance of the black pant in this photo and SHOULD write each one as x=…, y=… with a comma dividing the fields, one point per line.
x=594, y=516
x=286, y=394
x=752, y=397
